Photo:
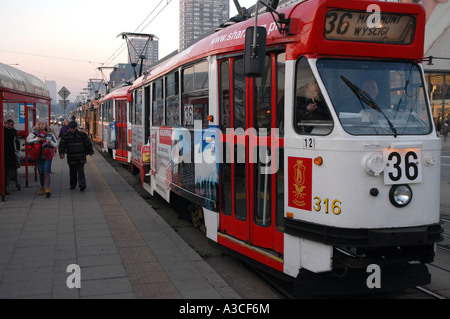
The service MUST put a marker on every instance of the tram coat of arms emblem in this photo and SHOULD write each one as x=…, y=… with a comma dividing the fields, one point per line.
x=300, y=182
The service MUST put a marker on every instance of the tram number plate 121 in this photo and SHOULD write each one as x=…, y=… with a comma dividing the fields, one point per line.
x=403, y=166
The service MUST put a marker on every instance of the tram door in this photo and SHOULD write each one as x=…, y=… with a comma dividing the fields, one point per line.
x=121, y=128
x=251, y=201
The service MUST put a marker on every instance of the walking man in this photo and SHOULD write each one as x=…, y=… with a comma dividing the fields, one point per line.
x=76, y=145
x=10, y=159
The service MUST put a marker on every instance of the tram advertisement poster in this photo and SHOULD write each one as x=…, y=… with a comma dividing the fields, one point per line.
x=137, y=137
x=300, y=183
x=111, y=135
x=163, y=160
x=153, y=150
x=146, y=155
x=207, y=167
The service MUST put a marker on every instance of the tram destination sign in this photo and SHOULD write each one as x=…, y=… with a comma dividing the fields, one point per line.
x=361, y=26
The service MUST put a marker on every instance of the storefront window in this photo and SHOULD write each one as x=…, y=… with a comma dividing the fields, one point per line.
x=439, y=92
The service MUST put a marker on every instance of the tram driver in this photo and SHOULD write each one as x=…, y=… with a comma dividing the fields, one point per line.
x=311, y=108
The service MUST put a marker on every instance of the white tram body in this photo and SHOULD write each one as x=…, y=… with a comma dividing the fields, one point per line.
x=356, y=183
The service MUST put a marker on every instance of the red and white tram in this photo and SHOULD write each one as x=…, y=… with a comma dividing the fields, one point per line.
x=325, y=162
x=114, y=110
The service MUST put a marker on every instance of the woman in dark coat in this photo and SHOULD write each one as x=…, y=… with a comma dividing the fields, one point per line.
x=10, y=158
x=64, y=129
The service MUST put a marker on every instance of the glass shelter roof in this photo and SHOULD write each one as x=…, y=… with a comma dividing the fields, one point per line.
x=21, y=82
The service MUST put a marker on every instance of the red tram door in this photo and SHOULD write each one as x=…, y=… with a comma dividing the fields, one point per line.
x=234, y=219
x=121, y=128
x=252, y=195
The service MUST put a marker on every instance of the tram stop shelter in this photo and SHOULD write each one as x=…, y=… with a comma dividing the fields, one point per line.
x=23, y=98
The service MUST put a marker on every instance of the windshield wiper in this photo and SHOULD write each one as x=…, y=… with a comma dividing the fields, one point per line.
x=366, y=98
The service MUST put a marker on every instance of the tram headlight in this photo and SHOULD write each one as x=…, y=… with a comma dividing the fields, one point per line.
x=400, y=195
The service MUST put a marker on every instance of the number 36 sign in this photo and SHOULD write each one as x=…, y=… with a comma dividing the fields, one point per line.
x=403, y=166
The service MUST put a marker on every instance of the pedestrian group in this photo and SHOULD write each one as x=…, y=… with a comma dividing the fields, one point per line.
x=73, y=143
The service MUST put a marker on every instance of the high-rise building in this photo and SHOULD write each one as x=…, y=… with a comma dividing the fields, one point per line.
x=200, y=17
x=143, y=47
x=51, y=86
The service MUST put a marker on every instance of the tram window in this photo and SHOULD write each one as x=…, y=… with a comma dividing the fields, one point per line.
x=158, y=104
x=239, y=113
x=102, y=111
x=225, y=120
x=148, y=119
x=130, y=110
x=311, y=113
x=133, y=108
x=158, y=90
x=105, y=114
x=172, y=100
x=239, y=93
x=110, y=111
x=188, y=80
x=263, y=99
x=240, y=188
x=201, y=76
x=281, y=72
x=263, y=191
x=138, y=115
x=195, y=98
x=118, y=112
x=173, y=111
x=172, y=82
x=226, y=193
x=396, y=87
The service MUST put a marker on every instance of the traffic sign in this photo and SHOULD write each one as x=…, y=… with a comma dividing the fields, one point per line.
x=64, y=93
x=64, y=103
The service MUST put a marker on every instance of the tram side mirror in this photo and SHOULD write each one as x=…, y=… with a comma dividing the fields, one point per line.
x=255, y=51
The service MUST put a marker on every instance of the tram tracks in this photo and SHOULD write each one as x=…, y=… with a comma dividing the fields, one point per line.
x=444, y=248
x=430, y=293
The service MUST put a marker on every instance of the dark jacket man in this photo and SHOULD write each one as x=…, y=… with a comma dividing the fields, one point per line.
x=10, y=157
x=10, y=134
x=76, y=145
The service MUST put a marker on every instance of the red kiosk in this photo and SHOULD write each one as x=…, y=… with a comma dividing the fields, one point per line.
x=23, y=98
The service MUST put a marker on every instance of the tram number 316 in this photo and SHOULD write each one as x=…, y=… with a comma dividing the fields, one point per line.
x=327, y=205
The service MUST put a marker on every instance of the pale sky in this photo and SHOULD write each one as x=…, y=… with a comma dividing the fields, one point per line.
x=67, y=40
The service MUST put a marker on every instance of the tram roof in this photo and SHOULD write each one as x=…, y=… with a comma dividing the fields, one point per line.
x=306, y=29
x=119, y=93
x=17, y=81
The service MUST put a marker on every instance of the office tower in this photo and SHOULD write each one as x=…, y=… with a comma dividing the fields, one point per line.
x=143, y=47
x=200, y=17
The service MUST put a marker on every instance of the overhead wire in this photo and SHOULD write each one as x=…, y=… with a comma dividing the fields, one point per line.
x=122, y=46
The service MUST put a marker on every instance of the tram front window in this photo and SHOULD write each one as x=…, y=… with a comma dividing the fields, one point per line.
x=377, y=97
x=311, y=113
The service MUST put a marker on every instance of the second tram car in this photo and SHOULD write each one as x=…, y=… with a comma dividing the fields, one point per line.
x=326, y=162
x=114, y=110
